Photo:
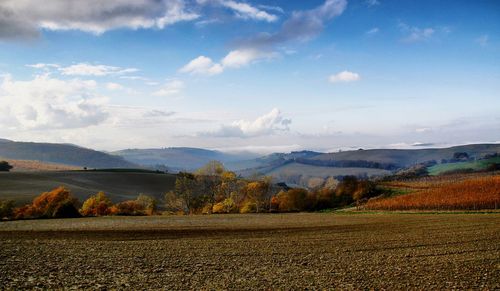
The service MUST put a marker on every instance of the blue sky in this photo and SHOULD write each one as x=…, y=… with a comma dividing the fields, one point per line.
x=250, y=75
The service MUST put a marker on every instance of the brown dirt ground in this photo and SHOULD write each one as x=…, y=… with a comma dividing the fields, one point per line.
x=267, y=251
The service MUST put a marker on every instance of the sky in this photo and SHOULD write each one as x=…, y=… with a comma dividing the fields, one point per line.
x=262, y=76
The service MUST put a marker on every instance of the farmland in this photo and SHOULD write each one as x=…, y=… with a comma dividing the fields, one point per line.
x=260, y=251
x=24, y=186
x=471, y=165
x=450, y=192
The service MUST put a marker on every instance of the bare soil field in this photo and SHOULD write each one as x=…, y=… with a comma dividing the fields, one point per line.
x=261, y=251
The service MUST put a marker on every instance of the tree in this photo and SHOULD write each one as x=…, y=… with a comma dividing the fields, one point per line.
x=185, y=185
x=173, y=203
x=97, y=205
x=147, y=203
x=259, y=194
x=58, y=203
x=5, y=166
x=292, y=200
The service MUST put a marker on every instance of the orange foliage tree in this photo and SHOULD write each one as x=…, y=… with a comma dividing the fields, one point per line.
x=57, y=203
x=143, y=205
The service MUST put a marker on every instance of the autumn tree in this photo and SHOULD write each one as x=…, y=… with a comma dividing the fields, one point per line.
x=258, y=194
x=97, y=205
x=148, y=204
x=208, y=180
x=292, y=200
x=58, y=203
x=185, y=187
x=173, y=203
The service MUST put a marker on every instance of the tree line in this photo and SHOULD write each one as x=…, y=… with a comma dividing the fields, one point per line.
x=211, y=189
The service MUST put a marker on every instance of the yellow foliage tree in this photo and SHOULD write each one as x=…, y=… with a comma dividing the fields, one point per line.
x=97, y=205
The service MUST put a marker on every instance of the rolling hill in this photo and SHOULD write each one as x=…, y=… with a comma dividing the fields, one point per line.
x=119, y=186
x=406, y=158
x=302, y=165
x=65, y=154
x=183, y=158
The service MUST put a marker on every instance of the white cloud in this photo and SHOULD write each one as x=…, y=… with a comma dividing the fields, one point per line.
x=114, y=86
x=24, y=18
x=423, y=129
x=483, y=40
x=43, y=66
x=202, y=66
x=234, y=59
x=267, y=124
x=372, y=31
x=45, y=102
x=246, y=11
x=416, y=34
x=301, y=26
x=85, y=69
x=242, y=57
x=371, y=3
x=272, y=8
x=344, y=76
x=171, y=87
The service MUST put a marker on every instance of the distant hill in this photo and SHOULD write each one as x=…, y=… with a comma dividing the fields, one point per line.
x=298, y=167
x=182, y=158
x=118, y=185
x=61, y=154
x=406, y=158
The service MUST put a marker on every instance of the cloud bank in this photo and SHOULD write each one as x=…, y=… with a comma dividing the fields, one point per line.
x=301, y=26
x=25, y=18
x=45, y=103
x=268, y=124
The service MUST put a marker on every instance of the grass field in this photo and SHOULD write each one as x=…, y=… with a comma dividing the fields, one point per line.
x=474, y=165
x=36, y=166
x=281, y=251
x=296, y=169
x=119, y=186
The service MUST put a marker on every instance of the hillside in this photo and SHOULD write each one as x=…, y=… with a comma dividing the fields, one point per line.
x=470, y=165
x=61, y=154
x=290, y=170
x=405, y=158
x=182, y=158
x=298, y=167
x=24, y=186
x=30, y=166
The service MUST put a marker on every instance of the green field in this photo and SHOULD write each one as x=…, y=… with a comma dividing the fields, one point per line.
x=296, y=169
x=313, y=251
x=474, y=165
x=119, y=186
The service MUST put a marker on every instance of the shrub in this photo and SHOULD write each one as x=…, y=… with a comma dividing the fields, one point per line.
x=97, y=205
x=147, y=203
x=248, y=207
x=5, y=166
x=129, y=207
x=6, y=209
x=143, y=205
x=58, y=203
x=226, y=206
